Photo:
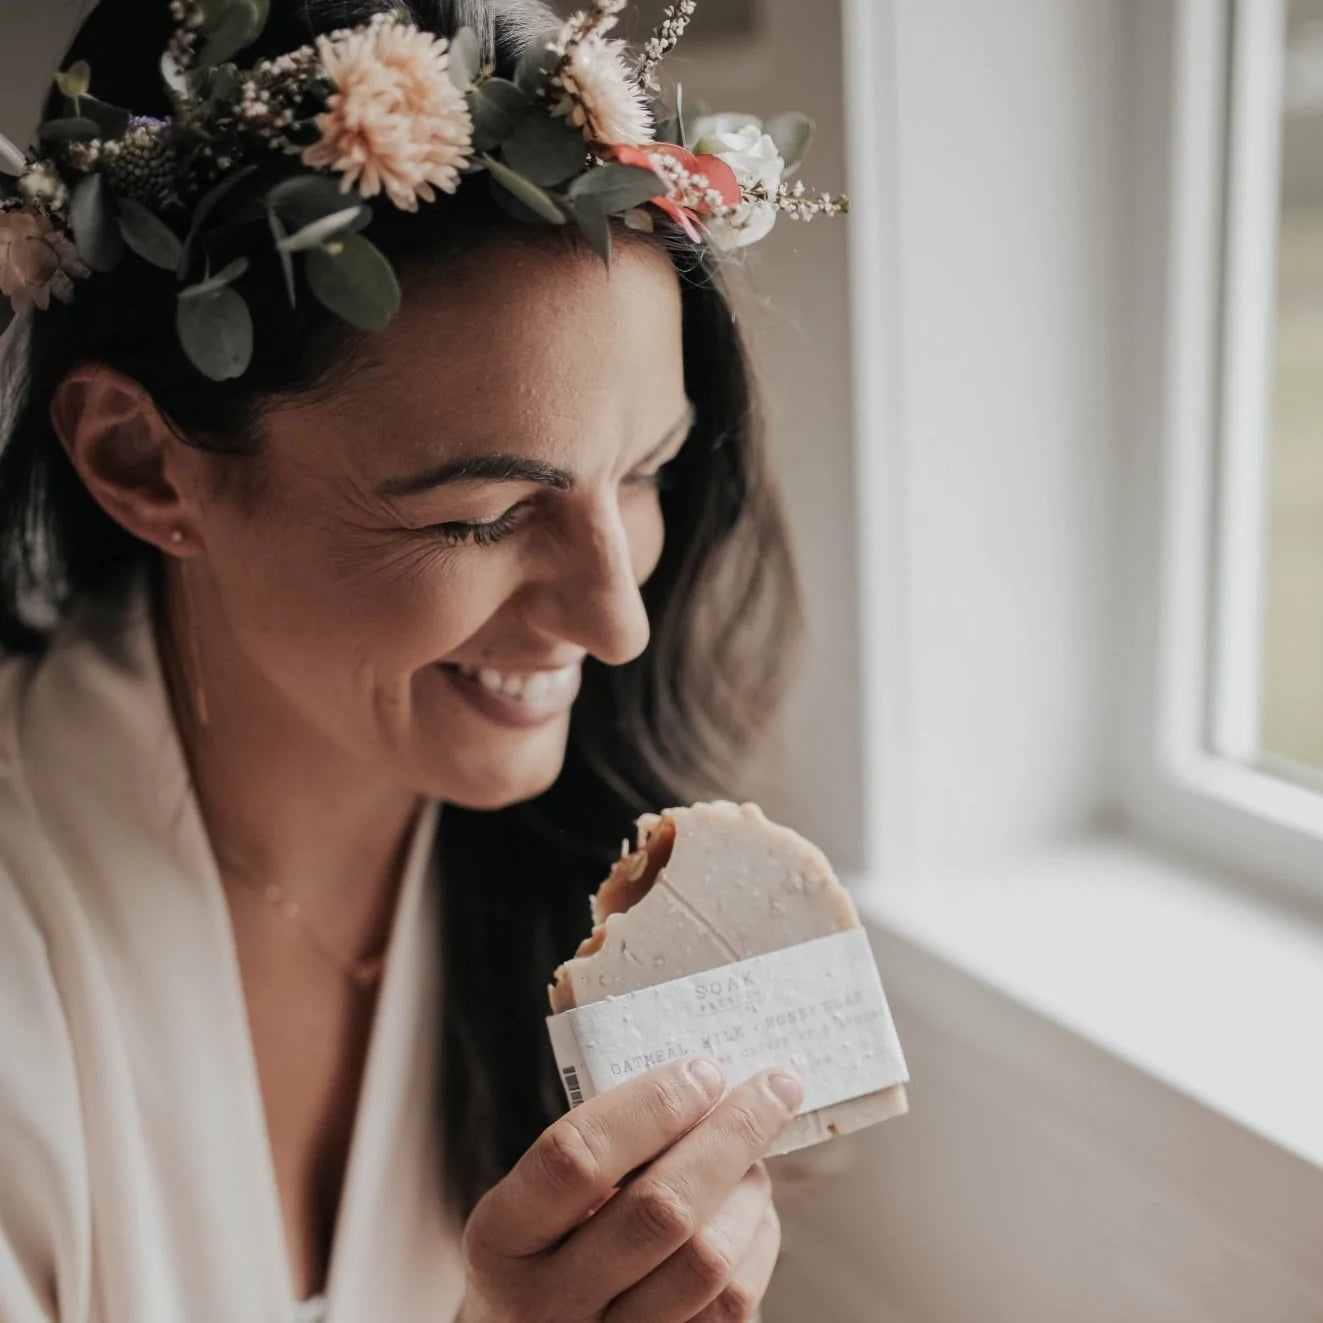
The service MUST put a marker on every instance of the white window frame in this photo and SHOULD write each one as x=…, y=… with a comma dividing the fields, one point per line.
x=1195, y=774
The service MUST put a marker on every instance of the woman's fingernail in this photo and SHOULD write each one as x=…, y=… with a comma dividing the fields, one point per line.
x=707, y=1075
x=787, y=1088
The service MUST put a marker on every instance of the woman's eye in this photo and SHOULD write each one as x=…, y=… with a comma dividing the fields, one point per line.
x=458, y=532
x=661, y=478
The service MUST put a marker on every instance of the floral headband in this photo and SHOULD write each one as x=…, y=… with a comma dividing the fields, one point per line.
x=272, y=154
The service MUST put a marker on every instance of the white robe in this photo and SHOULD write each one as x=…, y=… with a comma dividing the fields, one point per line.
x=136, y=1177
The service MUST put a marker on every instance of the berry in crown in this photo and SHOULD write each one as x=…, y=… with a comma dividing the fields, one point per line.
x=288, y=151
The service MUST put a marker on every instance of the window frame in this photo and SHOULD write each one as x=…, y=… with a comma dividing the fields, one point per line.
x=1194, y=774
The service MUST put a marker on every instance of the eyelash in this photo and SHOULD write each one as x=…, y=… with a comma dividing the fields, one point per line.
x=484, y=535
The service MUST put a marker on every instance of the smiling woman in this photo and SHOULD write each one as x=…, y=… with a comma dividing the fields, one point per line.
x=515, y=557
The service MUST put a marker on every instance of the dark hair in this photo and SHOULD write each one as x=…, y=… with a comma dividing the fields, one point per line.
x=671, y=726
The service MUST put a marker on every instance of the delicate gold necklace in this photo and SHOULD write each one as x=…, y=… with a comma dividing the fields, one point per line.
x=362, y=973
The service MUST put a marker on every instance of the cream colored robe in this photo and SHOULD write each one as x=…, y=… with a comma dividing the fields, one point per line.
x=136, y=1178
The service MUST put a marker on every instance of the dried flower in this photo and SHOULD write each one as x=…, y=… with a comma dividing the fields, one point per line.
x=36, y=260
x=395, y=122
x=599, y=95
x=675, y=18
x=41, y=182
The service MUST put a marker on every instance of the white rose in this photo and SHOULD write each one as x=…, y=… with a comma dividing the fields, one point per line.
x=752, y=155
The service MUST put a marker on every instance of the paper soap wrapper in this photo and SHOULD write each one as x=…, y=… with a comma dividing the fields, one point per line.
x=725, y=933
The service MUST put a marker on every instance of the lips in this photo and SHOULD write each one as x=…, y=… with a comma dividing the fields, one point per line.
x=515, y=697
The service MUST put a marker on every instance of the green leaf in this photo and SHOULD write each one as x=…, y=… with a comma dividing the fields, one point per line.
x=545, y=149
x=596, y=228
x=111, y=121
x=216, y=332
x=352, y=278
x=465, y=58
x=497, y=106
x=792, y=133
x=617, y=187
x=75, y=128
x=536, y=63
x=302, y=199
x=279, y=233
x=230, y=25
x=75, y=80
x=12, y=160
x=532, y=197
x=222, y=83
x=173, y=76
x=318, y=231
x=148, y=235
x=229, y=272
x=206, y=205
x=92, y=219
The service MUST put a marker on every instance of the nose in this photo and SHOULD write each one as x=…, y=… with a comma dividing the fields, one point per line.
x=590, y=592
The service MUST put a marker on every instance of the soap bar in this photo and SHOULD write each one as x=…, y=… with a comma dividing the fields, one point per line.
x=708, y=887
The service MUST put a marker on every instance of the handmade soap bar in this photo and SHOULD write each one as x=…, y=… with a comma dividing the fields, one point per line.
x=720, y=891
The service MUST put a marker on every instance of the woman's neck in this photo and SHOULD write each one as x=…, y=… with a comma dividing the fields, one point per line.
x=281, y=803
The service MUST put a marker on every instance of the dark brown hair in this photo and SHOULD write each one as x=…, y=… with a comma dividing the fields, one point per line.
x=671, y=726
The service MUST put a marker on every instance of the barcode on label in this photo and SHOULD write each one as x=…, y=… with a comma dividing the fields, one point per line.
x=572, y=1085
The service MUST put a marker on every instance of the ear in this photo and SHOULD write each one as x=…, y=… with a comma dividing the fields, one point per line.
x=128, y=455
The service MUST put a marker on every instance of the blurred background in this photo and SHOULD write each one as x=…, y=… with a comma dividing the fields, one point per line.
x=1048, y=412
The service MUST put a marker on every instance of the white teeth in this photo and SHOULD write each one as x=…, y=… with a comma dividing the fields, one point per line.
x=530, y=686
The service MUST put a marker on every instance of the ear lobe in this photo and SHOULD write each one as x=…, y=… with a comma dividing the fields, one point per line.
x=123, y=449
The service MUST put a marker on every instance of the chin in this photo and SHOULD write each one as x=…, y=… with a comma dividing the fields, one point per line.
x=500, y=782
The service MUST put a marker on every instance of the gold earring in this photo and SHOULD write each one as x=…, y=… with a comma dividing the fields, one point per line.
x=195, y=653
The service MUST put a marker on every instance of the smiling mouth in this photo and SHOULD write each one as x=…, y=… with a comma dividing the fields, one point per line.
x=518, y=698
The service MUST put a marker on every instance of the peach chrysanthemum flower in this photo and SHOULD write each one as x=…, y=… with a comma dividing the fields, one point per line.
x=600, y=96
x=36, y=260
x=395, y=122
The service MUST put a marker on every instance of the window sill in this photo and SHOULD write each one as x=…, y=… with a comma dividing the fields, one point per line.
x=1163, y=966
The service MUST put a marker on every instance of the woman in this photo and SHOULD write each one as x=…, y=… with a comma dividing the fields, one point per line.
x=272, y=1015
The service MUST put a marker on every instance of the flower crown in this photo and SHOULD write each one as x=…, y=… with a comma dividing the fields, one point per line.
x=271, y=154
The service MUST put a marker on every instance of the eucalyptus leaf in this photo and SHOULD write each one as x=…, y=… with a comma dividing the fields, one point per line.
x=238, y=23
x=75, y=80
x=92, y=219
x=111, y=121
x=12, y=160
x=595, y=226
x=525, y=191
x=536, y=62
x=511, y=205
x=302, y=199
x=318, y=231
x=207, y=204
x=544, y=148
x=352, y=278
x=73, y=128
x=229, y=272
x=465, y=58
x=792, y=132
x=497, y=106
x=279, y=233
x=222, y=82
x=216, y=332
x=148, y=235
x=617, y=187
x=173, y=76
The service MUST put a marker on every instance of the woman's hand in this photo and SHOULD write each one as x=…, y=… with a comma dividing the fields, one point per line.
x=646, y=1204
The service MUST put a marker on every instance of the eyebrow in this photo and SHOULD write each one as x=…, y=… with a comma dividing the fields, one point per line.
x=499, y=466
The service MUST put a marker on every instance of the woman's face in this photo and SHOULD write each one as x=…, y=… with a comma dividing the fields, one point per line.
x=442, y=539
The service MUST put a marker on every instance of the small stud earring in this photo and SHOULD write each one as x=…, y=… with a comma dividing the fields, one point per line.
x=176, y=535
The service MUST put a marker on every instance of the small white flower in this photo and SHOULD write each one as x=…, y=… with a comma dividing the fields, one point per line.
x=740, y=141
x=40, y=182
